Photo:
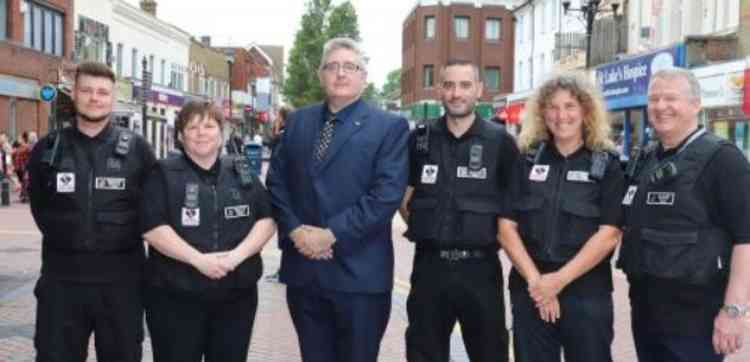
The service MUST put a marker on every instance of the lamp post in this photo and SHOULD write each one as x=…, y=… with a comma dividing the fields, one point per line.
x=145, y=90
x=589, y=11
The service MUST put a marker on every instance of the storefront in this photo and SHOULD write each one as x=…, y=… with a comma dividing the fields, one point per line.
x=624, y=85
x=722, y=97
x=163, y=104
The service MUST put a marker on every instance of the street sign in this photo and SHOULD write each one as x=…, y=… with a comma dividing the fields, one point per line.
x=48, y=92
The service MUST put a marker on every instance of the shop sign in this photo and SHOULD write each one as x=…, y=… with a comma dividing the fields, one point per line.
x=624, y=84
x=722, y=84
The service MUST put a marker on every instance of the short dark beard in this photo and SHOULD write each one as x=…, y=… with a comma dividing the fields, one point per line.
x=93, y=120
x=448, y=112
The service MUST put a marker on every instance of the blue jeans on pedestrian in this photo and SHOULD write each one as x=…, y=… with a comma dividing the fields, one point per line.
x=584, y=331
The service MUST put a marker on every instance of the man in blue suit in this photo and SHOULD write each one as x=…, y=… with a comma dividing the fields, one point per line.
x=336, y=180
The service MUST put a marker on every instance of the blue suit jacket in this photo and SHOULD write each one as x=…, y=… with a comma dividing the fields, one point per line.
x=354, y=191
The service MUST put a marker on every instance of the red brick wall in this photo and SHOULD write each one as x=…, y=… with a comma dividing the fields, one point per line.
x=22, y=62
x=418, y=51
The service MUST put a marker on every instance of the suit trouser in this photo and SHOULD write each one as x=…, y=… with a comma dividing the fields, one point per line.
x=68, y=313
x=338, y=327
x=187, y=329
x=444, y=292
x=584, y=331
x=651, y=346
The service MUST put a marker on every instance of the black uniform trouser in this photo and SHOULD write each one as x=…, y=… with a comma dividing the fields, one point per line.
x=653, y=346
x=68, y=312
x=443, y=292
x=584, y=330
x=187, y=329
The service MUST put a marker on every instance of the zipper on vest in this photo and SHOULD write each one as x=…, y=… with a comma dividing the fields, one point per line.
x=217, y=217
x=556, y=207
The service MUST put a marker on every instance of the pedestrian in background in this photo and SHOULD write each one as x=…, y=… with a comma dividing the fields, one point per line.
x=565, y=223
x=276, y=134
x=20, y=159
x=86, y=185
x=5, y=160
x=206, y=220
x=686, y=246
x=459, y=167
x=336, y=181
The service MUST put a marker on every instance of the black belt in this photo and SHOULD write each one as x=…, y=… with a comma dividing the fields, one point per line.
x=458, y=254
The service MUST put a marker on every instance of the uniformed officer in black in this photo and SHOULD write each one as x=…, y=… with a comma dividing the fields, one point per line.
x=565, y=223
x=86, y=183
x=206, y=220
x=457, y=182
x=686, y=245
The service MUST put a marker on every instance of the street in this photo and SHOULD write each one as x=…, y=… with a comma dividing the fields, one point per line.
x=273, y=337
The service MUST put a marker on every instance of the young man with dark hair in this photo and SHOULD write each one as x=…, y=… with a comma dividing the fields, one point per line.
x=86, y=183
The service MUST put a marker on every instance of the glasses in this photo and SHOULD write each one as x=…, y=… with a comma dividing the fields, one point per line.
x=348, y=68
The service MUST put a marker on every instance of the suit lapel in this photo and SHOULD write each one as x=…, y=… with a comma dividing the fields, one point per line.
x=344, y=131
x=311, y=125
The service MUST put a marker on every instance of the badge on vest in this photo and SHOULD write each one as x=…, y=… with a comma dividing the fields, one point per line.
x=236, y=212
x=660, y=198
x=465, y=172
x=66, y=182
x=191, y=216
x=539, y=173
x=110, y=183
x=578, y=176
x=429, y=174
x=114, y=164
x=630, y=195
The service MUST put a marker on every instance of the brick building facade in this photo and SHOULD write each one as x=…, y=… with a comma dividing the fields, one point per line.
x=36, y=45
x=434, y=34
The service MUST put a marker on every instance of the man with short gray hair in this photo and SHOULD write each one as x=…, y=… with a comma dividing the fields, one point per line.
x=686, y=245
x=336, y=180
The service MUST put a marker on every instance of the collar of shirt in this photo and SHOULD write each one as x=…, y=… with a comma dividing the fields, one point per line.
x=476, y=129
x=552, y=152
x=662, y=154
x=99, y=138
x=343, y=115
x=207, y=175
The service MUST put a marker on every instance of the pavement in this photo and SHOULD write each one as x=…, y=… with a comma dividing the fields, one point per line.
x=274, y=339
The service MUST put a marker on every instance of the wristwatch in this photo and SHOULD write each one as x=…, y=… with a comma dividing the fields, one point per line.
x=735, y=311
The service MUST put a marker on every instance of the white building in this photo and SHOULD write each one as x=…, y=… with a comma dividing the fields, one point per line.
x=135, y=34
x=538, y=24
x=659, y=23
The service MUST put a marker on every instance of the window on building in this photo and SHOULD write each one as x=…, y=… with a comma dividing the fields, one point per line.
x=492, y=29
x=134, y=64
x=42, y=27
x=119, y=59
x=151, y=60
x=3, y=19
x=429, y=27
x=461, y=27
x=519, y=29
x=492, y=78
x=163, y=72
x=428, y=76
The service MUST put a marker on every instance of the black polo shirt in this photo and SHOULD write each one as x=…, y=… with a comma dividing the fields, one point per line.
x=599, y=279
x=450, y=151
x=682, y=309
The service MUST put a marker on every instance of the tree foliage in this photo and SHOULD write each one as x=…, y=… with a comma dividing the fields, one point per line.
x=320, y=22
x=392, y=84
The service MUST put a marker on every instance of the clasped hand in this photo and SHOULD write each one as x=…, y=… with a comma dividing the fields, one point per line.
x=217, y=265
x=313, y=242
x=544, y=291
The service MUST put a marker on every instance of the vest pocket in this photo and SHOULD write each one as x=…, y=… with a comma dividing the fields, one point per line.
x=118, y=229
x=669, y=254
x=478, y=219
x=531, y=220
x=580, y=220
x=422, y=220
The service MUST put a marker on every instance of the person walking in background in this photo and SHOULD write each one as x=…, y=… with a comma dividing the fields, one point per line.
x=334, y=231
x=277, y=132
x=565, y=223
x=20, y=159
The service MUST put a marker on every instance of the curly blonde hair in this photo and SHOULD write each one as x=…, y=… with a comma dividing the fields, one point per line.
x=596, y=128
